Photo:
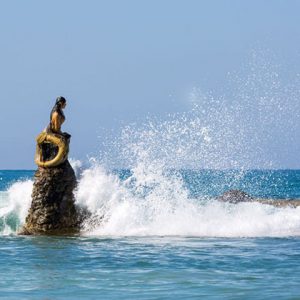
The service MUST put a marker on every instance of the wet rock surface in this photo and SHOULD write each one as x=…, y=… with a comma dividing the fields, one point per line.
x=53, y=209
x=237, y=196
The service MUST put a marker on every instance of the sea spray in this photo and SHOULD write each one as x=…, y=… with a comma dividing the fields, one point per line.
x=164, y=191
x=14, y=205
x=159, y=204
x=166, y=209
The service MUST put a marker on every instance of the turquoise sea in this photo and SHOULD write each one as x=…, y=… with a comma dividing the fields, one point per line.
x=167, y=239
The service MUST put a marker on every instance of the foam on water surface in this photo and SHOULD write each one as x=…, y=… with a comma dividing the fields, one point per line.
x=14, y=205
x=154, y=205
x=234, y=131
x=167, y=210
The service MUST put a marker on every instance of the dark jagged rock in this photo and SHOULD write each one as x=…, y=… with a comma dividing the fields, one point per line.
x=237, y=196
x=53, y=208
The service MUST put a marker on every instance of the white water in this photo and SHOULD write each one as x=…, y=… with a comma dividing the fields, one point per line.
x=167, y=211
x=154, y=202
x=164, y=210
x=216, y=133
x=14, y=205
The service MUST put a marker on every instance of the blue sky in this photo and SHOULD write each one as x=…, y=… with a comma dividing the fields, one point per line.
x=118, y=62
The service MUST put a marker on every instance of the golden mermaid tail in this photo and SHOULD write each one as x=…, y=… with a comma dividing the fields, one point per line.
x=55, y=140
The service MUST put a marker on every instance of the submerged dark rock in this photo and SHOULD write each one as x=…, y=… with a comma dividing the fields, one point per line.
x=237, y=196
x=53, y=209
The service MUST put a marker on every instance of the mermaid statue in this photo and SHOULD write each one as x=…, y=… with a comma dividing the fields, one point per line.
x=53, y=144
x=57, y=116
x=53, y=209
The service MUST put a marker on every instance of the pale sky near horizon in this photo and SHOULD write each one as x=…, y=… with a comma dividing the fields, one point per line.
x=119, y=62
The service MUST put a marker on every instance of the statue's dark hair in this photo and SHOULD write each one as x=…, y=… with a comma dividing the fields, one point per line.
x=60, y=100
x=57, y=106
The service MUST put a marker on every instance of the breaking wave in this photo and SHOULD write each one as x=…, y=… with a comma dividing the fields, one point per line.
x=153, y=199
x=129, y=208
x=14, y=205
x=159, y=204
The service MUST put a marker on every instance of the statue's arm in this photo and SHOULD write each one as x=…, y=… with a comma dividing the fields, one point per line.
x=55, y=122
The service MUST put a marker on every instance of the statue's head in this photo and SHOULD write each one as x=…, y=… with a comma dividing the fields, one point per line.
x=61, y=102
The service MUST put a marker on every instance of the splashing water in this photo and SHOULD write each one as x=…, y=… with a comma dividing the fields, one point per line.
x=14, y=205
x=166, y=209
x=155, y=203
x=236, y=132
x=233, y=132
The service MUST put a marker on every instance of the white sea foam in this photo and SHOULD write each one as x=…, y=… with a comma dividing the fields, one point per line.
x=14, y=205
x=218, y=133
x=167, y=210
x=154, y=204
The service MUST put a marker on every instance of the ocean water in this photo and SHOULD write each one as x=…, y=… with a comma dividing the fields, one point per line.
x=162, y=237
x=157, y=231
